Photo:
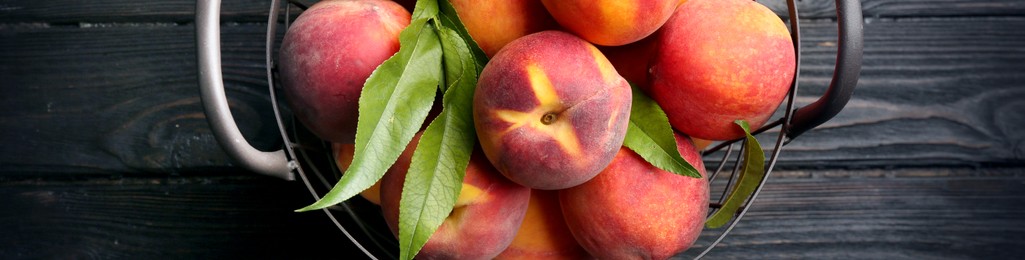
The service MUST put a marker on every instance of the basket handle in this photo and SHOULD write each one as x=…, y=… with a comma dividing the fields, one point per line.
x=215, y=102
x=845, y=74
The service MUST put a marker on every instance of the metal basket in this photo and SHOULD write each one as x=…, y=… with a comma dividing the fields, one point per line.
x=309, y=158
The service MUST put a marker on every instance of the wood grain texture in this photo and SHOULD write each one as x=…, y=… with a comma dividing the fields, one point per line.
x=122, y=99
x=944, y=91
x=73, y=12
x=904, y=8
x=183, y=11
x=107, y=153
x=161, y=218
x=939, y=91
x=932, y=91
x=64, y=12
x=923, y=213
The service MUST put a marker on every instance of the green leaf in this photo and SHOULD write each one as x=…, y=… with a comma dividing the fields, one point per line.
x=650, y=136
x=392, y=107
x=439, y=163
x=750, y=176
x=426, y=9
x=450, y=19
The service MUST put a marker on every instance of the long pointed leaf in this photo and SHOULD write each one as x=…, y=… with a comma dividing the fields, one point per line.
x=427, y=9
x=650, y=136
x=392, y=107
x=439, y=163
x=751, y=174
x=450, y=19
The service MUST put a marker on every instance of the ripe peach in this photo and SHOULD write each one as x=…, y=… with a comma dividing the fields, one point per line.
x=633, y=210
x=489, y=210
x=700, y=144
x=719, y=61
x=611, y=22
x=543, y=234
x=550, y=111
x=495, y=23
x=326, y=56
x=633, y=60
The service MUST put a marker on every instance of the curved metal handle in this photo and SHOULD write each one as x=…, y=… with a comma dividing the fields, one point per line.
x=845, y=75
x=215, y=102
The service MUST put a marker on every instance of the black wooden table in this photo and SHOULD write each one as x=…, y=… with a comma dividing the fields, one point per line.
x=107, y=153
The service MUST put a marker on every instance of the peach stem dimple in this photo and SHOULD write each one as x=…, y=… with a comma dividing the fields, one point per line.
x=549, y=118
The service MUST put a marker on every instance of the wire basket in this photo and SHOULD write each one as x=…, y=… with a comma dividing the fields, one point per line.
x=310, y=159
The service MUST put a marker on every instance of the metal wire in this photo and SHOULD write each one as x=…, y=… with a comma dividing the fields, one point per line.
x=271, y=36
x=781, y=140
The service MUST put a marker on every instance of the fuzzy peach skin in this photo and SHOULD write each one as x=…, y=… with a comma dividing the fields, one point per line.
x=328, y=53
x=700, y=144
x=720, y=61
x=543, y=234
x=550, y=110
x=633, y=210
x=495, y=23
x=489, y=210
x=633, y=60
x=611, y=22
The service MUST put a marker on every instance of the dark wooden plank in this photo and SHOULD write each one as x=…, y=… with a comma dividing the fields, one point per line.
x=73, y=12
x=944, y=91
x=904, y=8
x=941, y=91
x=165, y=218
x=120, y=99
x=927, y=213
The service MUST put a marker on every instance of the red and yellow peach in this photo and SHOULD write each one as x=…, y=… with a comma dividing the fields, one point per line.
x=550, y=110
x=719, y=61
x=326, y=56
x=487, y=213
x=495, y=23
x=633, y=210
x=611, y=22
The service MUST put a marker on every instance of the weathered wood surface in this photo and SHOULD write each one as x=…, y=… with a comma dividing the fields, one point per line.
x=931, y=213
x=905, y=8
x=70, y=11
x=107, y=153
x=932, y=91
x=179, y=218
x=940, y=90
x=122, y=99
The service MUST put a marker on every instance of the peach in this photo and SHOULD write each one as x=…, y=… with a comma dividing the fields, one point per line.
x=719, y=61
x=633, y=60
x=495, y=23
x=633, y=210
x=550, y=111
x=700, y=144
x=543, y=234
x=326, y=56
x=487, y=213
x=611, y=22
